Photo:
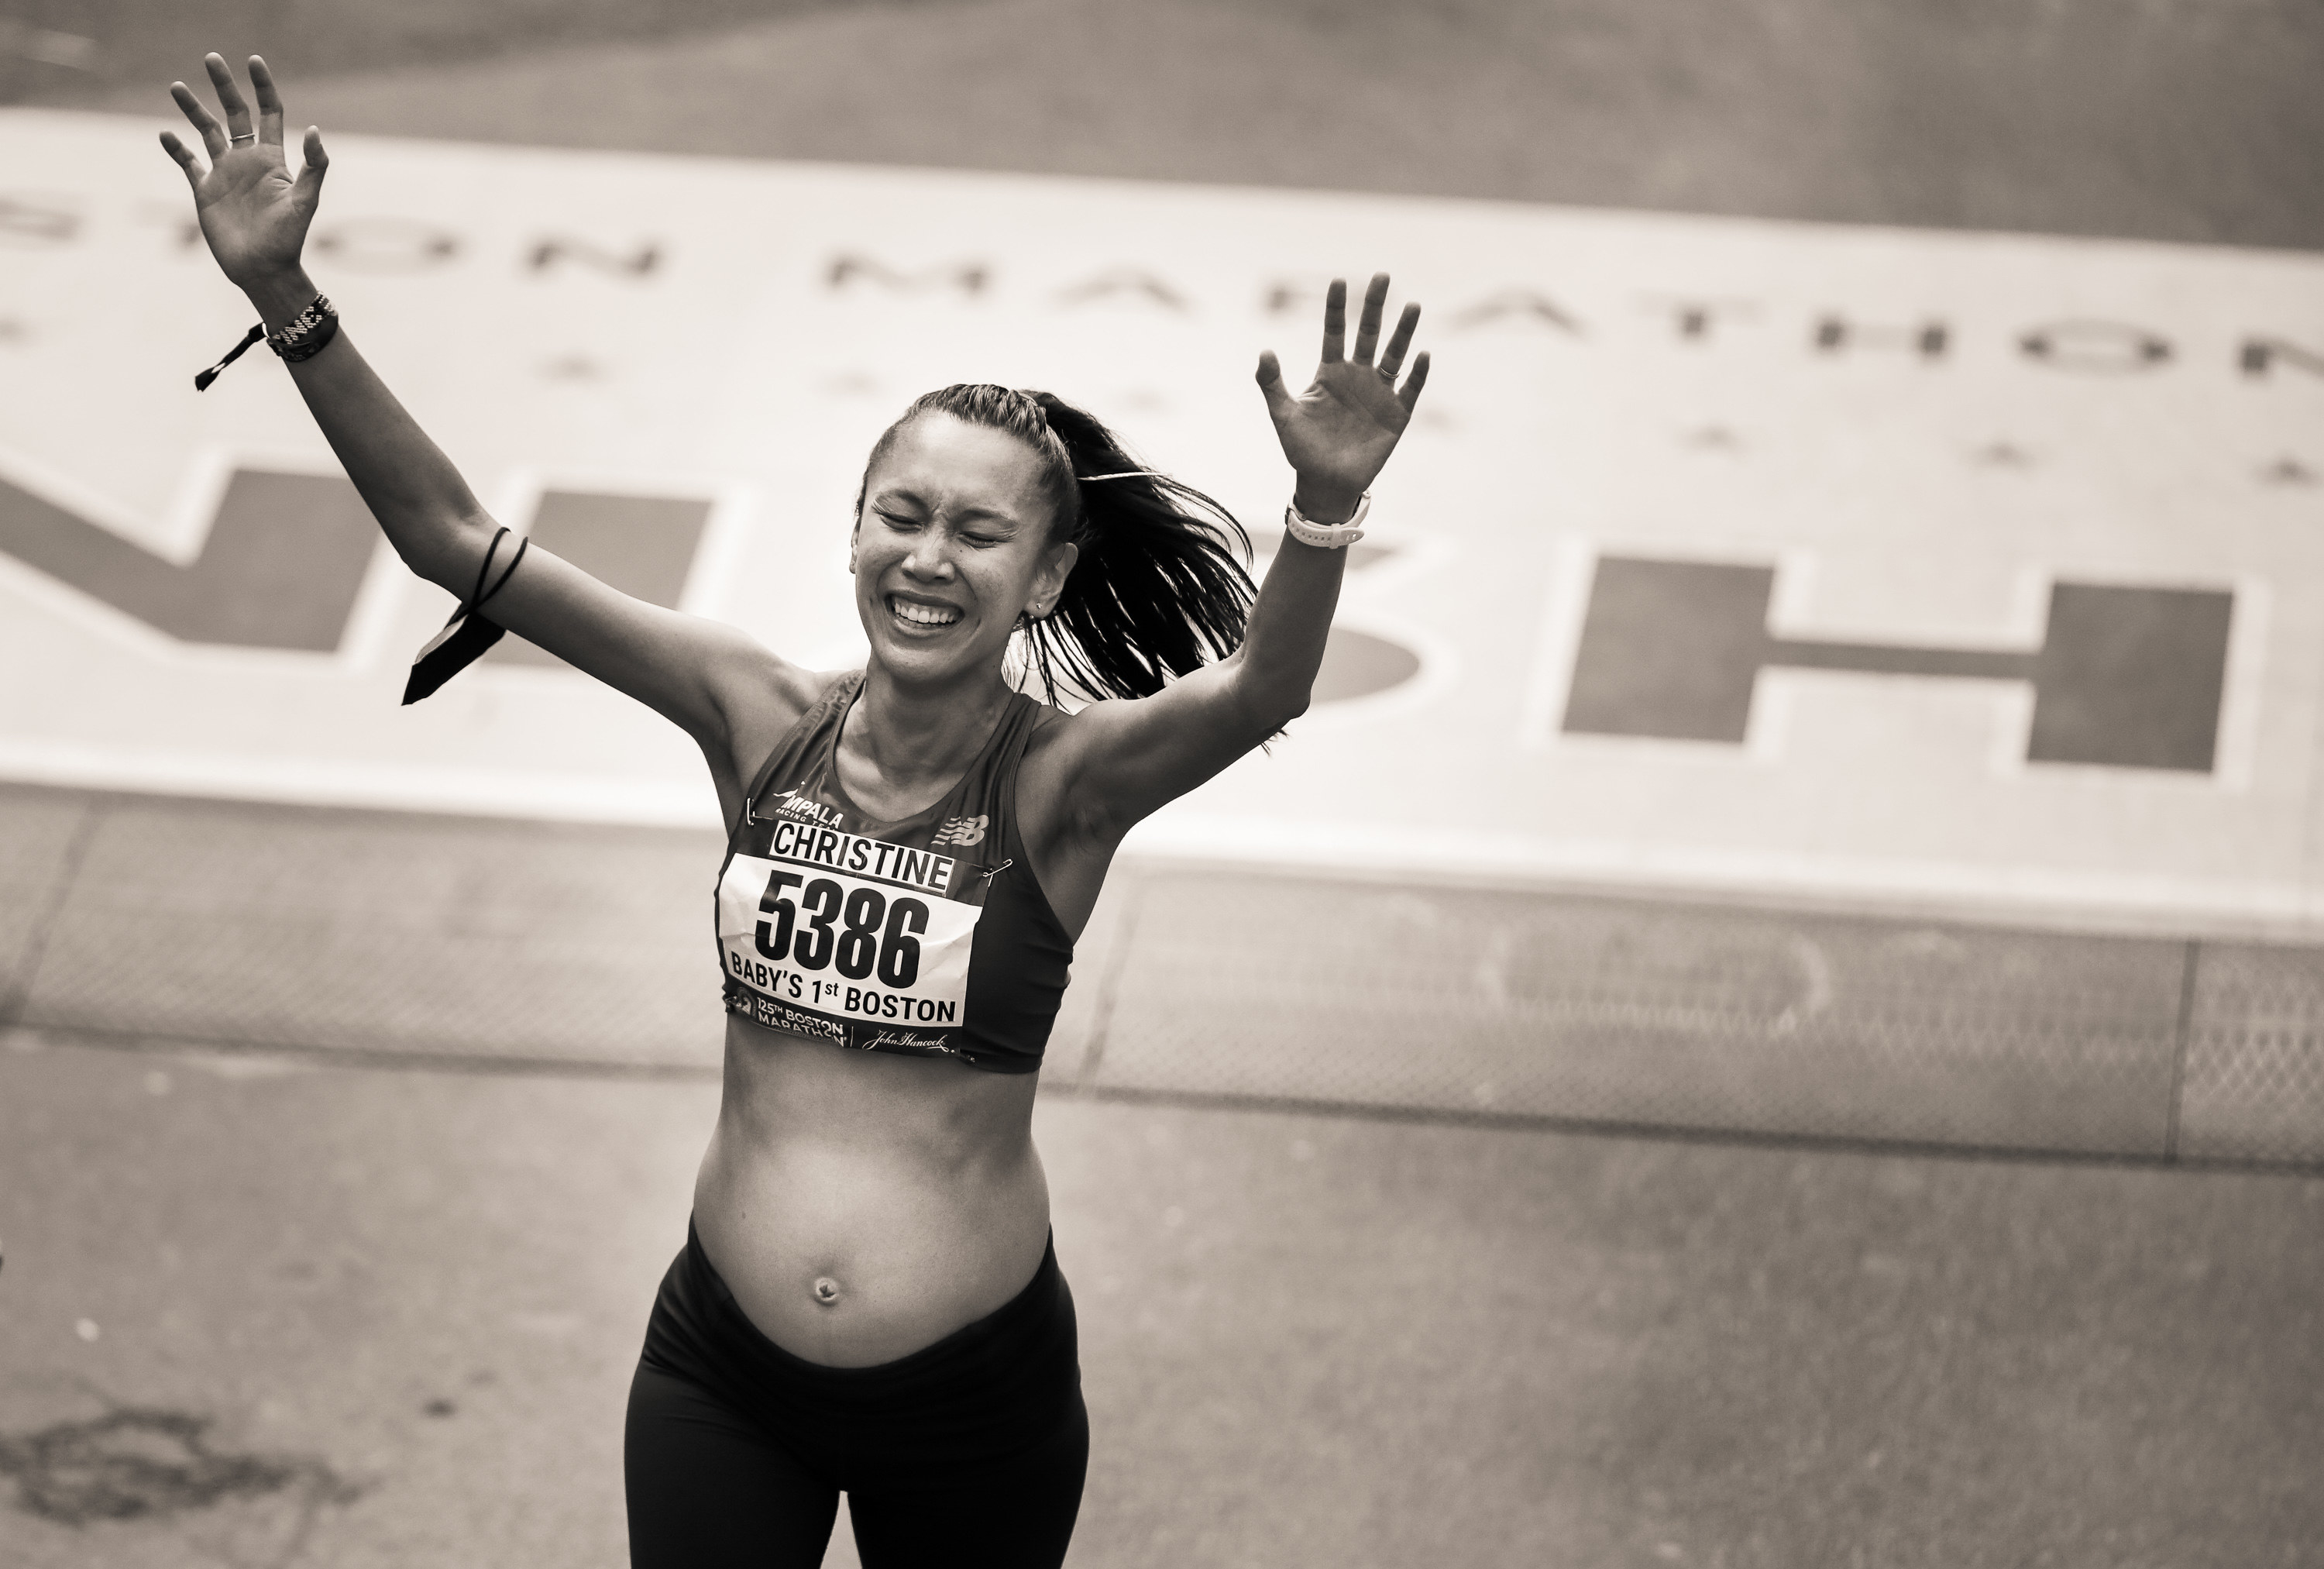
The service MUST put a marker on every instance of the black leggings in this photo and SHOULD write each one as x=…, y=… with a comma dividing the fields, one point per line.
x=969, y=1451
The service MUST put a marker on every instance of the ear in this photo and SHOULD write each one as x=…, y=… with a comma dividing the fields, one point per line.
x=854, y=532
x=1056, y=566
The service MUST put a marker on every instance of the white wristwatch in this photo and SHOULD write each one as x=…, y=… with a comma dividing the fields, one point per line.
x=1328, y=536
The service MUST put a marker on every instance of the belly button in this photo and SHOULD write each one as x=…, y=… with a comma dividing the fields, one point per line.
x=826, y=1291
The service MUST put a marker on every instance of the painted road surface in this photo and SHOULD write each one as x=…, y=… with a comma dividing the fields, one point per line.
x=1966, y=572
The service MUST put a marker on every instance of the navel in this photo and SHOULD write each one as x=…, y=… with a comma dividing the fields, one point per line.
x=827, y=1291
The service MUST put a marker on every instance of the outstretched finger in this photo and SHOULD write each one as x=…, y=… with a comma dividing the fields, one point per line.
x=269, y=104
x=1368, y=326
x=1335, y=322
x=213, y=133
x=185, y=157
x=1408, y=394
x=309, y=186
x=230, y=99
x=1399, y=341
x=1270, y=381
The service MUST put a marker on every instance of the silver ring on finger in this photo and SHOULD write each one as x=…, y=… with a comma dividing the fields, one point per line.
x=245, y=137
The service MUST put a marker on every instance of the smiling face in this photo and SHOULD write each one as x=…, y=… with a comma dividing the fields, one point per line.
x=954, y=541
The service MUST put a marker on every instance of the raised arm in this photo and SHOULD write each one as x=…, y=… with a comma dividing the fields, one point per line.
x=1120, y=760
x=699, y=674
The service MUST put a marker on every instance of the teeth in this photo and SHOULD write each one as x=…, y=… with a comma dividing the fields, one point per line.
x=922, y=615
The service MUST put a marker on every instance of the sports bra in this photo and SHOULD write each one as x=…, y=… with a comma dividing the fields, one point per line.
x=929, y=936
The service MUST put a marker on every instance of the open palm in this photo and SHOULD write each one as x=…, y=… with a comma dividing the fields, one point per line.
x=252, y=213
x=1338, y=433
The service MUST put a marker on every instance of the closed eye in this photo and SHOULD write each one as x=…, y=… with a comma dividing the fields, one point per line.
x=903, y=523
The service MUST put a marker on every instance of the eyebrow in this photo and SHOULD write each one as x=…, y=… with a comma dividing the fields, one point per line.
x=906, y=493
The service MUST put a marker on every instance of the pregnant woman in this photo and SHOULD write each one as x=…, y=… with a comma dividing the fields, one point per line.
x=868, y=1300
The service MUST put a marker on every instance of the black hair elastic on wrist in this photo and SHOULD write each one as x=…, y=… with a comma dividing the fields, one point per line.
x=465, y=637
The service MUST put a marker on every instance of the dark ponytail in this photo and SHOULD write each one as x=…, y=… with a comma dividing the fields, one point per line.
x=1155, y=591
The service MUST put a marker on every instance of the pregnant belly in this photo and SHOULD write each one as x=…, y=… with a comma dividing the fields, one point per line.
x=862, y=1208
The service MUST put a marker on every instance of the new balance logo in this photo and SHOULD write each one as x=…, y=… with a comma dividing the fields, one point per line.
x=2124, y=678
x=960, y=831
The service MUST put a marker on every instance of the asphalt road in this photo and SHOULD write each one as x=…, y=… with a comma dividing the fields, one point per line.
x=2192, y=120
x=406, y=1303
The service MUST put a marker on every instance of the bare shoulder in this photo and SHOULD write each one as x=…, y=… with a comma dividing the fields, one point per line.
x=1070, y=842
x=760, y=696
x=1048, y=805
x=1053, y=728
x=1114, y=763
x=1057, y=730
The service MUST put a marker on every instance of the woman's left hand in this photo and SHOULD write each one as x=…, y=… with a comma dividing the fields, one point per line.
x=1338, y=433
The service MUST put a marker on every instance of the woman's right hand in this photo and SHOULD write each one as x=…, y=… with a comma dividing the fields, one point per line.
x=252, y=213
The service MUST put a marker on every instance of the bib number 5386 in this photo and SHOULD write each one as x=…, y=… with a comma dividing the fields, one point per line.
x=853, y=933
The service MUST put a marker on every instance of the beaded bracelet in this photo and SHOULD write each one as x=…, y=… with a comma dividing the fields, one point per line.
x=301, y=337
x=304, y=335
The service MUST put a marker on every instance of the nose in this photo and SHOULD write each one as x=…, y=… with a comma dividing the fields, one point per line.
x=930, y=555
